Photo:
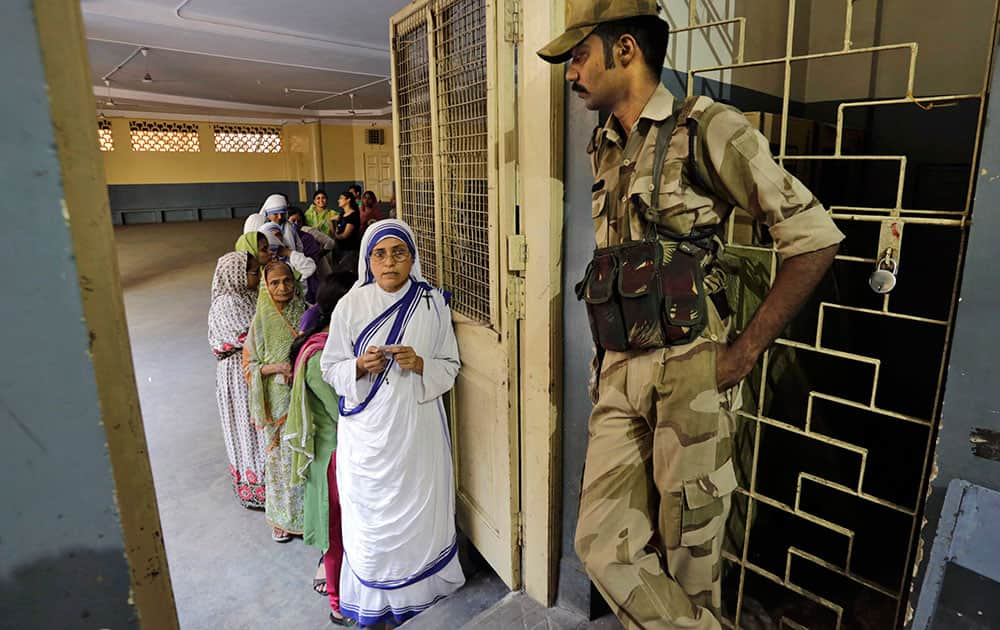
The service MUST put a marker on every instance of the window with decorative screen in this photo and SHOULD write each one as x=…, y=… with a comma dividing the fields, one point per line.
x=105, y=140
x=159, y=135
x=247, y=139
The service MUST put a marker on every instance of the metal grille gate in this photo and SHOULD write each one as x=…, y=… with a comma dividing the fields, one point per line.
x=441, y=82
x=837, y=433
x=413, y=131
x=450, y=72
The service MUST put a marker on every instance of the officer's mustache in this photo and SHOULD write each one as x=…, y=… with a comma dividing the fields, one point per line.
x=576, y=87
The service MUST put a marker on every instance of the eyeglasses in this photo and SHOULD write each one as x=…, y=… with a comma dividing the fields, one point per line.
x=399, y=255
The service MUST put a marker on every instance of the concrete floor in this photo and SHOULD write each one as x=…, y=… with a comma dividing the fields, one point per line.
x=226, y=572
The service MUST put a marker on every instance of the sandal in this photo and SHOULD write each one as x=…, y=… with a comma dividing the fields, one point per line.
x=342, y=621
x=319, y=584
x=283, y=537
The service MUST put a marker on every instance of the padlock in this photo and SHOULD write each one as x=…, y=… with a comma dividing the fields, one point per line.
x=883, y=279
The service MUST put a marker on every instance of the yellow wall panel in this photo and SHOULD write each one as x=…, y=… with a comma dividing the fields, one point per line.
x=338, y=153
x=124, y=166
x=301, y=155
x=310, y=153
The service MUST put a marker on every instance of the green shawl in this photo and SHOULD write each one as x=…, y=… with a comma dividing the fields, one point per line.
x=247, y=243
x=270, y=339
x=299, y=429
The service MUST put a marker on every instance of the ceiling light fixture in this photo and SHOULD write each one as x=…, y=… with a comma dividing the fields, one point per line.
x=110, y=102
x=146, y=78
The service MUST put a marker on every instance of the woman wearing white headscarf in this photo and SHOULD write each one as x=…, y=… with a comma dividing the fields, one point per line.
x=300, y=263
x=392, y=354
x=274, y=210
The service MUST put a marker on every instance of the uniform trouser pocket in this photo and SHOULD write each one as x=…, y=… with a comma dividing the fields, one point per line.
x=692, y=447
x=705, y=504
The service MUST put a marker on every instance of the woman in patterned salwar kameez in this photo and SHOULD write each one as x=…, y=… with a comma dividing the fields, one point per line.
x=234, y=298
x=265, y=363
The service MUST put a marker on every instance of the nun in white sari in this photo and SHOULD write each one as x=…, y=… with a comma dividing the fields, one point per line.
x=392, y=354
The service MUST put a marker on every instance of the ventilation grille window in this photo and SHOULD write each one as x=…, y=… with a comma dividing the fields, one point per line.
x=104, y=138
x=247, y=139
x=376, y=136
x=157, y=135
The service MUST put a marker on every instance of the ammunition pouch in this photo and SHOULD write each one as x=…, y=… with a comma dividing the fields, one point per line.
x=650, y=293
x=636, y=301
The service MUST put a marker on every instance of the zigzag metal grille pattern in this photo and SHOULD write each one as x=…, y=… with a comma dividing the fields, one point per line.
x=835, y=439
x=163, y=136
x=441, y=80
x=247, y=139
x=460, y=38
x=105, y=140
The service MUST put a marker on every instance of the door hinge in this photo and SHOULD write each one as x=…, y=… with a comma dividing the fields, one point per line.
x=517, y=252
x=515, y=296
x=519, y=523
x=512, y=23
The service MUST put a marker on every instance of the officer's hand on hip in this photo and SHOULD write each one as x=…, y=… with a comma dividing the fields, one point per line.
x=731, y=365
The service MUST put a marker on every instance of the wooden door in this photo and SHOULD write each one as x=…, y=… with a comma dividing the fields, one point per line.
x=458, y=196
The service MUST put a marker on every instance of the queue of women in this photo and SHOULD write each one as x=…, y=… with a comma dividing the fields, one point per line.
x=333, y=355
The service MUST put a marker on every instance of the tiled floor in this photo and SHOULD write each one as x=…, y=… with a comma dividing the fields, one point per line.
x=517, y=611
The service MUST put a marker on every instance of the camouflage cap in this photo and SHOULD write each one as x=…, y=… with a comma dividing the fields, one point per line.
x=583, y=16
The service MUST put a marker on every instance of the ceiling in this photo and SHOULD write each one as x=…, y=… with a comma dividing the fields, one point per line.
x=298, y=59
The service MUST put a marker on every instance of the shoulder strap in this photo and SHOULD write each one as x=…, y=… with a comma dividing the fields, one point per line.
x=691, y=118
x=692, y=125
x=682, y=107
x=663, y=137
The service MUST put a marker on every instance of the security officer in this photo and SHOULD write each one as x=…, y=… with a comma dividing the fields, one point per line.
x=659, y=470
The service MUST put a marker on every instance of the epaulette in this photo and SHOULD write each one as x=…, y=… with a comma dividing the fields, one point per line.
x=689, y=115
x=693, y=108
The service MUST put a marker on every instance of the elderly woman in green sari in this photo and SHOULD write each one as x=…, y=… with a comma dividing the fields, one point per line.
x=267, y=369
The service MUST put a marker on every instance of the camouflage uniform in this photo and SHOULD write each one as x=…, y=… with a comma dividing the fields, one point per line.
x=659, y=472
